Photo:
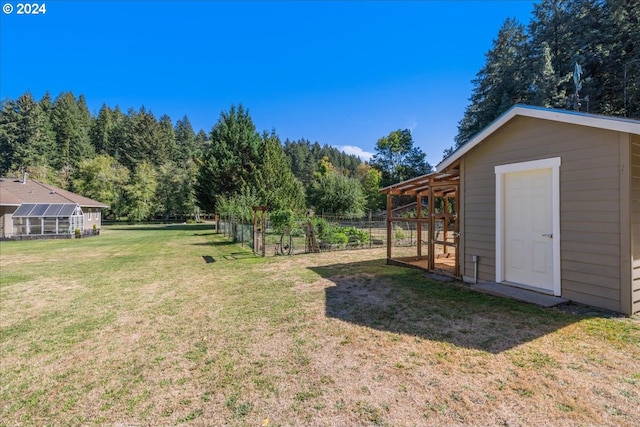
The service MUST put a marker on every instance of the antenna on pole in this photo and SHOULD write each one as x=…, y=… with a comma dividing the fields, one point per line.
x=577, y=80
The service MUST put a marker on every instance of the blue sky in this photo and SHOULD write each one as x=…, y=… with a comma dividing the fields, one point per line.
x=340, y=73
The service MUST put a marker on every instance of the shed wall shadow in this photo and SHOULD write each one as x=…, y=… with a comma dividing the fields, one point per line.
x=405, y=301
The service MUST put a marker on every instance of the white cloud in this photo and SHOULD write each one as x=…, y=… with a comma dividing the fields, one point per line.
x=351, y=149
x=413, y=124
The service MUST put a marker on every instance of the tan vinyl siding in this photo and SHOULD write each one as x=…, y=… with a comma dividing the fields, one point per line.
x=589, y=203
x=479, y=221
x=635, y=223
x=6, y=224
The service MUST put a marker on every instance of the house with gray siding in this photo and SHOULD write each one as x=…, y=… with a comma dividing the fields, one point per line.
x=33, y=209
x=547, y=200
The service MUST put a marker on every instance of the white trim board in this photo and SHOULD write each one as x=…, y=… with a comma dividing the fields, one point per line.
x=550, y=163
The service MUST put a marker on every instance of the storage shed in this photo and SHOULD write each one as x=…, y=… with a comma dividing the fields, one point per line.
x=549, y=200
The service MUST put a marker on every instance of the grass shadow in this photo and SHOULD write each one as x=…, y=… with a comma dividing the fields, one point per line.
x=223, y=249
x=405, y=301
x=218, y=243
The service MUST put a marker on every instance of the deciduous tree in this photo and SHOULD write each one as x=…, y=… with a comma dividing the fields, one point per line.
x=397, y=158
x=102, y=178
x=333, y=192
x=141, y=192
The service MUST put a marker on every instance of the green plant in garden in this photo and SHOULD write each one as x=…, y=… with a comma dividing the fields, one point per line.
x=399, y=232
x=281, y=219
x=337, y=238
x=356, y=236
x=329, y=233
x=321, y=226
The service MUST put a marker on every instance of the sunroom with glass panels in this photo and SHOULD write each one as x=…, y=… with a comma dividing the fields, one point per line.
x=47, y=218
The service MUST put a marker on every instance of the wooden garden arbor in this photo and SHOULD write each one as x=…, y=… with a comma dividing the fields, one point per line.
x=435, y=222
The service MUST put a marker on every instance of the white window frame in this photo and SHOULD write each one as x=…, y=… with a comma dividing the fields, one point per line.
x=500, y=171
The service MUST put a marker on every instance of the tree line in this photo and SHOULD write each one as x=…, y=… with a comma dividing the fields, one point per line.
x=535, y=64
x=146, y=167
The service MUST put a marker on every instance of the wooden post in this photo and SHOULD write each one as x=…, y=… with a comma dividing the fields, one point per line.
x=389, y=224
x=263, y=210
x=431, y=262
x=419, y=224
x=264, y=231
x=445, y=211
x=456, y=235
x=255, y=230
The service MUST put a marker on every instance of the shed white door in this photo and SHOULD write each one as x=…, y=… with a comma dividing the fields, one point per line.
x=528, y=228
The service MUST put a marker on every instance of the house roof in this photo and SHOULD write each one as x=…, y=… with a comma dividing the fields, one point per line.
x=14, y=192
x=565, y=116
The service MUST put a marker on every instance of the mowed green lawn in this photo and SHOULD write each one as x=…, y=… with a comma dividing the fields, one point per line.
x=173, y=325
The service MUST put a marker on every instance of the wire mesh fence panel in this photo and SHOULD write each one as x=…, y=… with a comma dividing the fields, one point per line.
x=406, y=241
x=309, y=234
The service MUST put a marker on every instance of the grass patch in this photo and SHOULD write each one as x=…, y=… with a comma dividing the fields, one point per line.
x=136, y=327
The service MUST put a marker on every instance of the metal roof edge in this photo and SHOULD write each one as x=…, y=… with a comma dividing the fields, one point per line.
x=620, y=124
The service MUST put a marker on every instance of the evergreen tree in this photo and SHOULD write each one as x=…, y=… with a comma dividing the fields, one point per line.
x=232, y=159
x=140, y=139
x=279, y=188
x=201, y=144
x=71, y=127
x=502, y=82
x=25, y=135
x=117, y=136
x=600, y=35
x=303, y=164
x=84, y=114
x=550, y=26
x=544, y=81
x=166, y=142
x=186, y=146
x=46, y=104
x=101, y=130
x=304, y=157
x=623, y=37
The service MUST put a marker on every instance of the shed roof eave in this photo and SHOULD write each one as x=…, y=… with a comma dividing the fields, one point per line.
x=619, y=124
x=420, y=184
